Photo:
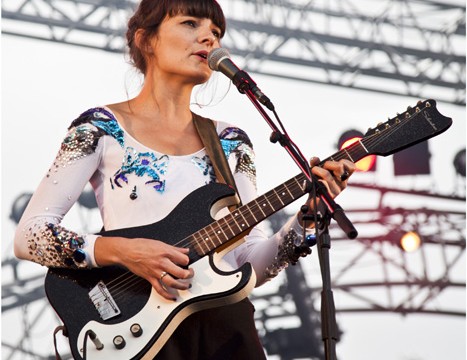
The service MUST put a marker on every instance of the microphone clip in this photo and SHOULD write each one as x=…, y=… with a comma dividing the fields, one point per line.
x=245, y=83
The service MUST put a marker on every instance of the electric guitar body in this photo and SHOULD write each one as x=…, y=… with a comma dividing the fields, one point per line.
x=136, y=300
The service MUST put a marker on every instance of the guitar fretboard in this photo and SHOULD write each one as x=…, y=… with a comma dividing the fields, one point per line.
x=246, y=216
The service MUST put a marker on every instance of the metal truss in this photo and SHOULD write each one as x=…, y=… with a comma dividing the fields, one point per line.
x=416, y=46
x=418, y=278
x=390, y=280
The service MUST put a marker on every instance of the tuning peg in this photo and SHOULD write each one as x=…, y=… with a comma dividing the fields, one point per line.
x=409, y=108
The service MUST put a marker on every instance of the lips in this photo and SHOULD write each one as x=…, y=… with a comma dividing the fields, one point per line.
x=203, y=54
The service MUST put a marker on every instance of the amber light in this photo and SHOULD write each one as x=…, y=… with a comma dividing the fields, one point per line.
x=410, y=241
x=365, y=164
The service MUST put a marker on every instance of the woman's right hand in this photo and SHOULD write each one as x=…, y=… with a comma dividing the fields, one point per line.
x=163, y=265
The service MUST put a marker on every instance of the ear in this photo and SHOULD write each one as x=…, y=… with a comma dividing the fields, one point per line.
x=139, y=38
x=142, y=42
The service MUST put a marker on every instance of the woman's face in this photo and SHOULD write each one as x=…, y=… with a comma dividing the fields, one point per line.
x=180, y=49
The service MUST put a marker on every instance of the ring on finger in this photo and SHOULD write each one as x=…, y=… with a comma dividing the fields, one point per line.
x=345, y=175
x=161, y=278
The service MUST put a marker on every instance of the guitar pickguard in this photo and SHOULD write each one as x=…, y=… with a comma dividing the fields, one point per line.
x=160, y=317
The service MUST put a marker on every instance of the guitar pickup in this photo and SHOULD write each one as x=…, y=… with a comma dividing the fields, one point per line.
x=103, y=301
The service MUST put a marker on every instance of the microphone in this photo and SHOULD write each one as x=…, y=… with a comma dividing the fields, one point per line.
x=219, y=60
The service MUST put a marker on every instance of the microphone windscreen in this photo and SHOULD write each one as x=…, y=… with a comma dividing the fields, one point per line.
x=215, y=56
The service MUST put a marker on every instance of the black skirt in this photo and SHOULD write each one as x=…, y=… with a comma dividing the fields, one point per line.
x=222, y=333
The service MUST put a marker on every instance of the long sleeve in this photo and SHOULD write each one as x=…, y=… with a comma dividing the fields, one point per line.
x=39, y=236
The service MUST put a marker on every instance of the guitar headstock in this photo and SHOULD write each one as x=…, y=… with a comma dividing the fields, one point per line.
x=416, y=124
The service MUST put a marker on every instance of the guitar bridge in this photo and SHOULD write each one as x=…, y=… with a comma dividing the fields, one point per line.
x=103, y=301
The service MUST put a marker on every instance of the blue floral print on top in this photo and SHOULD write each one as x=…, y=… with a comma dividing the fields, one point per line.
x=233, y=140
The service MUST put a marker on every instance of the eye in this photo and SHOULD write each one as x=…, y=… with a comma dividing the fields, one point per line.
x=191, y=23
x=216, y=33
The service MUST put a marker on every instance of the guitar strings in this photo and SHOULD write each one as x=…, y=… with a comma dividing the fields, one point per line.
x=245, y=212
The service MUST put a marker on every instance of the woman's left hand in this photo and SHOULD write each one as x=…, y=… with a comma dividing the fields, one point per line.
x=334, y=175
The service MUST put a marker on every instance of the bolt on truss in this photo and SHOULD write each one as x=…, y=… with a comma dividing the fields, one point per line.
x=417, y=47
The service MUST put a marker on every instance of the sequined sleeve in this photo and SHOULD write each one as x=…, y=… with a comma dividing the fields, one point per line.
x=40, y=236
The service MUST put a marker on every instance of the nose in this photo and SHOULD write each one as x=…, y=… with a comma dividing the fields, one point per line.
x=206, y=35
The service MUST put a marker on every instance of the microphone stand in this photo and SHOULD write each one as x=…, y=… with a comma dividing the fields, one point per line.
x=329, y=331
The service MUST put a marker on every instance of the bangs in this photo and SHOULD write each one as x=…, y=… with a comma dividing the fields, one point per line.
x=209, y=9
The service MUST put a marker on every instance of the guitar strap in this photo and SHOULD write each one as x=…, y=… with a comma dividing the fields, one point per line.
x=210, y=138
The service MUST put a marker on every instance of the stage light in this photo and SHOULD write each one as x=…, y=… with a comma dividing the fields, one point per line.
x=414, y=160
x=368, y=163
x=459, y=162
x=410, y=241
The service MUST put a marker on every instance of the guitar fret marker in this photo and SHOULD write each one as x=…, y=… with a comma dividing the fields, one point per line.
x=230, y=228
x=243, y=224
x=259, y=207
x=202, y=244
x=223, y=232
x=364, y=148
x=236, y=222
x=214, y=237
x=350, y=157
x=279, y=199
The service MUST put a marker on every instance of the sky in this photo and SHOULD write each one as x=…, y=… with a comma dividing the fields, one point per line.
x=45, y=86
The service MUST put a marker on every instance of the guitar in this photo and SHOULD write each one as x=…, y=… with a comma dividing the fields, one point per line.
x=122, y=312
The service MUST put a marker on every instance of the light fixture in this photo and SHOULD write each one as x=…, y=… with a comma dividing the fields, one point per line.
x=459, y=162
x=410, y=241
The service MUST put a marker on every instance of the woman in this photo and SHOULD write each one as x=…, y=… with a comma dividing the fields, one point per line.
x=164, y=160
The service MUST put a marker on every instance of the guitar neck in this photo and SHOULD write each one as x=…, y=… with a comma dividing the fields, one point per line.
x=416, y=124
x=241, y=220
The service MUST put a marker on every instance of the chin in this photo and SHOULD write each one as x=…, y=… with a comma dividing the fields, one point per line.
x=201, y=79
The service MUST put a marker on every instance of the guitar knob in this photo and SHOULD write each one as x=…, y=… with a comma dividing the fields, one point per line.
x=136, y=330
x=119, y=342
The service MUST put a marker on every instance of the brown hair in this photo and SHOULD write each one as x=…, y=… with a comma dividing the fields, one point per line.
x=151, y=13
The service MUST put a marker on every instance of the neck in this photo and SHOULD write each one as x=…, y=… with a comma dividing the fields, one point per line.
x=165, y=99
